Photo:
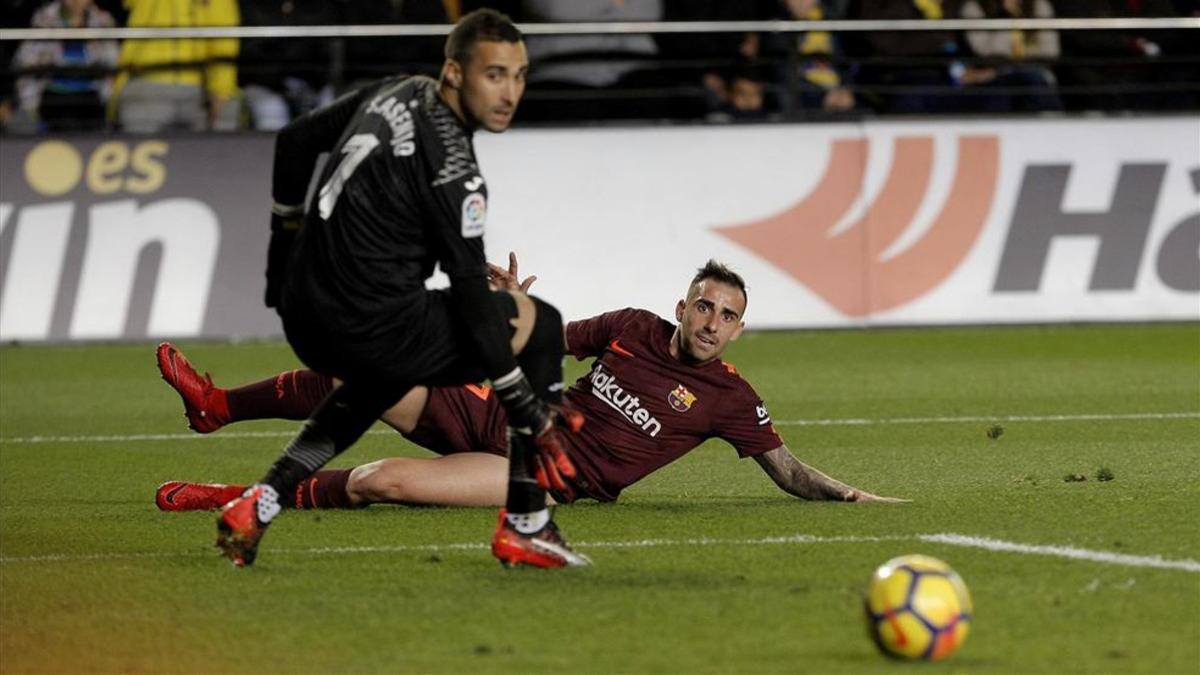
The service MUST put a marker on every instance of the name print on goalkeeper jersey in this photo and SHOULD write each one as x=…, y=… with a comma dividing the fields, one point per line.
x=396, y=112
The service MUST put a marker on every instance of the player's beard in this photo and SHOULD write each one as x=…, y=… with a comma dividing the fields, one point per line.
x=485, y=119
x=504, y=118
x=688, y=352
x=493, y=121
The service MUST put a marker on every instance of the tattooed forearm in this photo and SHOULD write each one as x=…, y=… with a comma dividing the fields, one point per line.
x=799, y=479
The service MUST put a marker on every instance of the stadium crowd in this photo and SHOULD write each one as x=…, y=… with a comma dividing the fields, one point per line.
x=148, y=86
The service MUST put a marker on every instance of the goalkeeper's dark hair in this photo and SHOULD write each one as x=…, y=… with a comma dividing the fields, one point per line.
x=720, y=272
x=480, y=25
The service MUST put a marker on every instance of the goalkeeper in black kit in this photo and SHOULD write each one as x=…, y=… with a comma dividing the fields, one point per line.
x=401, y=193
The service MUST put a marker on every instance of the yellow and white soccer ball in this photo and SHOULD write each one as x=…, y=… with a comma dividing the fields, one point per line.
x=918, y=608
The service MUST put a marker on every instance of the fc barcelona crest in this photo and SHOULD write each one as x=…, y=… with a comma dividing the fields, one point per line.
x=681, y=399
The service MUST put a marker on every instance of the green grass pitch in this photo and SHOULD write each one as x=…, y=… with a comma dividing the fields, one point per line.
x=698, y=568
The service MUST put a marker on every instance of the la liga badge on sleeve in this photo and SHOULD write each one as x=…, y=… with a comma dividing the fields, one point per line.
x=474, y=214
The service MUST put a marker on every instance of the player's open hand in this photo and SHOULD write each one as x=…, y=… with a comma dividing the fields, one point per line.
x=509, y=279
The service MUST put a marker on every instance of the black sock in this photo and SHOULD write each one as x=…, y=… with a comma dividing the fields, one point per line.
x=341, y=419
x=285, y=474
x=542, y=358
x=524, y=494
x=542, y=363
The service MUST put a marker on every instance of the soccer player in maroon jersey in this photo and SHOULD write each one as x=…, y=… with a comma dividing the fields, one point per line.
x=656, y=390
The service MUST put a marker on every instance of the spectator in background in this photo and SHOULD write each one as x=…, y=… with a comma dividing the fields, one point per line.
x=368, y=59
x=742, y=95
x=821, y=85
x=12, y=119
x=1137, y=66
x=178, y=83
x=903, y=72
x=64, y=84
x=283, y=78
x=584, y=60
x=588, y=65
x=8, y=99
x=1007, y=52
x=706, y=59
x=1189, y=51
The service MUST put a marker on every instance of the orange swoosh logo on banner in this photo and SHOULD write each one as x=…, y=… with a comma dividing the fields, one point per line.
x=846, y=269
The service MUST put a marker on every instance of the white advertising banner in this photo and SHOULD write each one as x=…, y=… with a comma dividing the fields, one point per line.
x=875, y=223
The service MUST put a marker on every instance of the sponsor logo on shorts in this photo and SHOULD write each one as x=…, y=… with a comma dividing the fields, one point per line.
x=605, y=388
x=474, y=214
x=681, y=399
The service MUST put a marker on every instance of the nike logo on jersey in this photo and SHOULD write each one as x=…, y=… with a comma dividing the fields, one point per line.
x=615, y=345
x=481, y=392
x=474, y=184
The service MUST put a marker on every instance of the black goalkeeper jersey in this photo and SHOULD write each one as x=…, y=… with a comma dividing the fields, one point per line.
x=400, y=192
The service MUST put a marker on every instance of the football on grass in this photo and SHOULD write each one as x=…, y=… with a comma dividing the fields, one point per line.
x=917, y=608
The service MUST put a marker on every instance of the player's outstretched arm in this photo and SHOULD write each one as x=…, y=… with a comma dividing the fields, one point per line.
x=797, y=478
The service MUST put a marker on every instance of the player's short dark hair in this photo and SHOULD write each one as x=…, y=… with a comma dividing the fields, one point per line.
x=479, y=25
x=720, y=272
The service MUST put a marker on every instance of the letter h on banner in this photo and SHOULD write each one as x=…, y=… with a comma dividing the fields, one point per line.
x=1038, y=218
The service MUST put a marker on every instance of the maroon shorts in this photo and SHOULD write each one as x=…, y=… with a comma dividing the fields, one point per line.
x=465, y=418
x=469, y=418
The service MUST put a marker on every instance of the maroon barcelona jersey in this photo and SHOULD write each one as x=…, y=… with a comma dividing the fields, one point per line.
x=645, y=408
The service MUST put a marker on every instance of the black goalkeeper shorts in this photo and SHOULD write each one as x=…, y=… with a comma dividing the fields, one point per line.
x=423, y=344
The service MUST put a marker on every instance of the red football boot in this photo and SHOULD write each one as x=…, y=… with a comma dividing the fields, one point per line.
x=204, y=405
x=243, y=522
x=177, y=495
x=545, y=548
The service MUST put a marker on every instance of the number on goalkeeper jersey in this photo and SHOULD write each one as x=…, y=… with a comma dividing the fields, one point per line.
x=355, y=150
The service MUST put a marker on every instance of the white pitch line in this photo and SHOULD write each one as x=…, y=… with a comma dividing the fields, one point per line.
x=835, y=422
x=461, y=546
x=864, y=421
x=1062, y=552
x=129, y=438
x=951, y=539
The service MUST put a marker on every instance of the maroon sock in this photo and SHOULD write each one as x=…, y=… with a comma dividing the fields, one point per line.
x=293, y=395
x=324, y=490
